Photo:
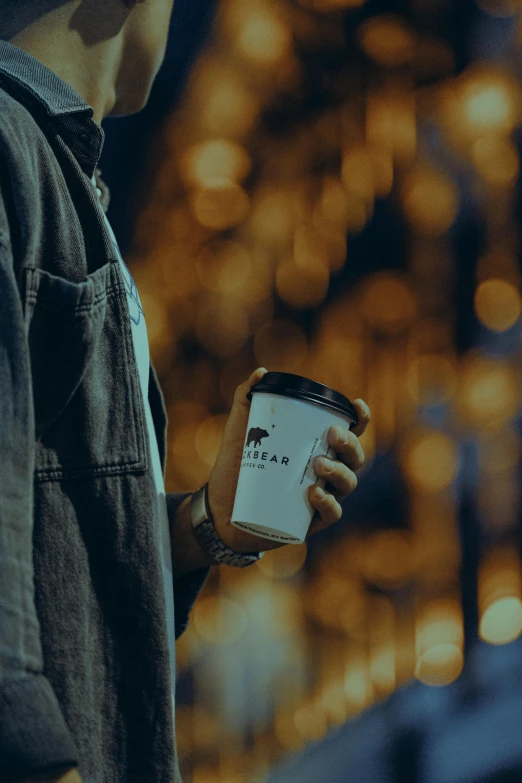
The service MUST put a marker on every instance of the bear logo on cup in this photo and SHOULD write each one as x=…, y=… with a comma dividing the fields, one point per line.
x=256, y=434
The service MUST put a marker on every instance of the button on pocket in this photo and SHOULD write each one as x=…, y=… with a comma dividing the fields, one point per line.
x=89, y=415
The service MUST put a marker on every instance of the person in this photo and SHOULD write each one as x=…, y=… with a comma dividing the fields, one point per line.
x=99, y=566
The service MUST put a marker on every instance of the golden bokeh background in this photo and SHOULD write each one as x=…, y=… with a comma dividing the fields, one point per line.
x=288, y=132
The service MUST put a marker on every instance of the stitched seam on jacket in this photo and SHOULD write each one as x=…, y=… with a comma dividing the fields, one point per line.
x=33, y=298
x=112, y=468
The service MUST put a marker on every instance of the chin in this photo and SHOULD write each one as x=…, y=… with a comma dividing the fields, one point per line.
x=130, y=104
x=132, y=94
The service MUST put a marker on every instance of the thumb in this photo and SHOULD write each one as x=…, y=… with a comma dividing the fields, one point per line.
x=240, y=397
x=224, y=476
x=240, y=410
x=235, y=428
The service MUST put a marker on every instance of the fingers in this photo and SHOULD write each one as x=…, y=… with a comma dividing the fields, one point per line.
x=339, y=475
x=363, y=416
x=329, y=509
x=347, y=446
x=341, y=481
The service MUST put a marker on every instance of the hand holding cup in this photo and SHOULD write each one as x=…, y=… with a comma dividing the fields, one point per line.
x=240, y=490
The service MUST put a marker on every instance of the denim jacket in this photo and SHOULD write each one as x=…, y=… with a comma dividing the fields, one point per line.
x=84, y=660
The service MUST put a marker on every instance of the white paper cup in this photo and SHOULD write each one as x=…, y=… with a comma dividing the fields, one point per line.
x=287, y=429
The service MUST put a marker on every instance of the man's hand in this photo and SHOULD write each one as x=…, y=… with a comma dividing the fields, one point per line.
x=71, y=776
x=223, y=479
x=339, y=473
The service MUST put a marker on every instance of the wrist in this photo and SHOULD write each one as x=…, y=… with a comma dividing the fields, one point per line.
x=210, y=540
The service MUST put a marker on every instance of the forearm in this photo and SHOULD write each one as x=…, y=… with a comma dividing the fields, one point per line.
x=187, y=554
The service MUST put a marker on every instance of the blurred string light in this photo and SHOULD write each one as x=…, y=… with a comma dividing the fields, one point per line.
x=223, y=266
x=488, y=103
x=481, y=105
x=500, y=595
x=220, y=204
x=432, y=379
x=439, y=642
x=219, y=620
x=391, y=121
x=431, y=462
x=496, y=160
x=387, y=40
x=497, y=304
x=358, y=687
x=252, y=208
x=213, y=158
x=430, y=200
x=258, y=32
x=387, y=559
x=488, y=392
x=387, y=302
x=382, y=647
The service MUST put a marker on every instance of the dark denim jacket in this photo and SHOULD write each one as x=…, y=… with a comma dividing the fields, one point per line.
x=84, y=663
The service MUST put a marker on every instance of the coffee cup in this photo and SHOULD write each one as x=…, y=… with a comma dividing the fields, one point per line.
x=288, y=424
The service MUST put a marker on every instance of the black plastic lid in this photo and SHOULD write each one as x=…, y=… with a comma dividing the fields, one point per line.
x=290, y=385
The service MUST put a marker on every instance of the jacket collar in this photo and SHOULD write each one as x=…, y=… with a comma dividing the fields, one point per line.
x=36, y=85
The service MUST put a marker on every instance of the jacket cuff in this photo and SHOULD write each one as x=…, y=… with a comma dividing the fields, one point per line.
x=187, y=586
x=34, y=738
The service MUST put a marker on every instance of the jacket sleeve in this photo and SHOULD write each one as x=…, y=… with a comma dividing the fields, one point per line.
x=34, y=737
x=187, y=586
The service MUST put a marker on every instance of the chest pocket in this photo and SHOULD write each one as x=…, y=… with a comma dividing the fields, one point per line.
x=89, y=415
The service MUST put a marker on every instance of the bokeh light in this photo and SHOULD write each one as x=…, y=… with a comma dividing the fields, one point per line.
x=208, y=438
x=501, y=622
x=220, y=620
x=227, y=107
x=387, y=302
x=432, y=379
x=357, y=683
x=430, y=200
x=488, y=101
x=500, y=595
x=214, y=158
x=289, y=142
x=496, y=159
x=439, y=642
x=387, y=39
x=431, y=461
x=391, y=121
x=484, y=101
x=310, y=721
x=302, y=286
x=223, y=266
x=488, y=392
x=387, y=559
x=221, y=203
x=497, y=304
x=338, y=602
x=263, y=38
x=499, y=451
x=219, y=328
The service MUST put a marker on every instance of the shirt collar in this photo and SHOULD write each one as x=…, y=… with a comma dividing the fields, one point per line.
x=36, y=85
